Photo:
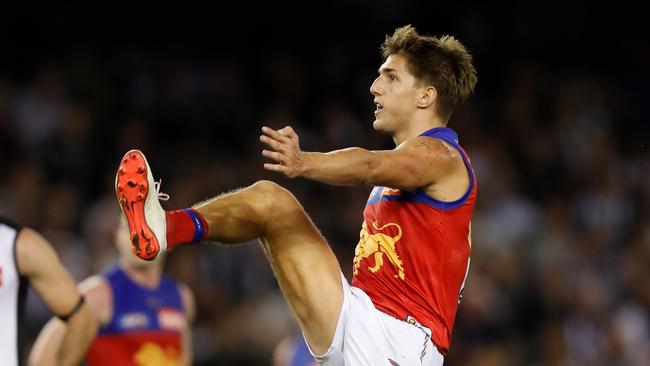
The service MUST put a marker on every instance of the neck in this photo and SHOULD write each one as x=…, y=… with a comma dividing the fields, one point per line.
x=417, y=127
x=145, y=276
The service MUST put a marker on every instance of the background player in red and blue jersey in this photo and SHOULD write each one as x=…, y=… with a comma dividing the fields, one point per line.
x=144, y=315
x=413, y=253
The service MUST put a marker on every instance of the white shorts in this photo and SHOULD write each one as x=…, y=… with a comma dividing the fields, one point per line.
x=367, y=336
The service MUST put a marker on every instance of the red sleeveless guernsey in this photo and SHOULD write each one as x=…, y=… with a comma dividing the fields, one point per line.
x=146, y=326
x=413, y=254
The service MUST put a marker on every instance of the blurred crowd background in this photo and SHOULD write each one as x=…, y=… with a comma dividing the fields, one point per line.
x=557, y=131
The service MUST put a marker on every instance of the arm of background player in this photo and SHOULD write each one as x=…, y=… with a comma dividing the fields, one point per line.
x=190, y=312
x=39, y=263
x=99, y=300
x=416, y=163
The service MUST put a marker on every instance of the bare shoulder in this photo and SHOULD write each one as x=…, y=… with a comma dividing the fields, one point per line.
x=99, y=297
x=432, y=153
x=446, y=162
x=432, y=147
x=34, y=253
x=30, y=240
x=95, y=286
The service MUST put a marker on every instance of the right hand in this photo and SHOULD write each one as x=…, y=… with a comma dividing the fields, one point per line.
x=290, y=160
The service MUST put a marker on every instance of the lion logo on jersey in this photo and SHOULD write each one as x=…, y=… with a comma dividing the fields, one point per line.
x=378, y=245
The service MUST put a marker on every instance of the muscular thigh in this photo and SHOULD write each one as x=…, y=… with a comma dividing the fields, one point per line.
x=307, y=271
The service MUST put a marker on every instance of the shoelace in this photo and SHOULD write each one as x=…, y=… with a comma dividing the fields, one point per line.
x=161, y=196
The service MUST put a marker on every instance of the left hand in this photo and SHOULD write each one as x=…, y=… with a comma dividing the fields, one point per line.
x=285, y=151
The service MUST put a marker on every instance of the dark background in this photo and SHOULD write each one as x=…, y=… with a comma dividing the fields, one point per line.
x=557, y=132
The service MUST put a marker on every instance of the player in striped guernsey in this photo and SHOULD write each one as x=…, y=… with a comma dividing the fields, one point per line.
x=27, y=259
x=413, y=254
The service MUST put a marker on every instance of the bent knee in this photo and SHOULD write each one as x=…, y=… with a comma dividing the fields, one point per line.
x=268, y=187
x=274, y=196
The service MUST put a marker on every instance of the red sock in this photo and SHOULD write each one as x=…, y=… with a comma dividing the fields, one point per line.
x=185, y=226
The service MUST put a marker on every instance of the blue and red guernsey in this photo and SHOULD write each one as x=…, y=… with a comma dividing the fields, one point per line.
x=413, y=254
x=146, y=325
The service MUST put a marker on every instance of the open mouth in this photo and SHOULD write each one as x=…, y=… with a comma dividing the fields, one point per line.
x=378, y=107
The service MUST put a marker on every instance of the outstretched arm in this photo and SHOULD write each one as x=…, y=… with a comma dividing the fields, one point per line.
x=48, y=343
x=416, y=163
x=39, y=263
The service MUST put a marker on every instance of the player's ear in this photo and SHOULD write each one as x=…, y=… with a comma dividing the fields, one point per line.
x=428, y=96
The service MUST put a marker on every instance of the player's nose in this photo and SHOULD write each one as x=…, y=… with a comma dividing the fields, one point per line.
x=374, y=87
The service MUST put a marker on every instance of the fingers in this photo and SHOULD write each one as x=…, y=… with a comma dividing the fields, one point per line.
x=290, y=133
x=276, y=135
x=276, y=168
x=284, y=143
x=280, y=158
x=285, y=130
x=276, y=140
x=287, y=133
x=274, y=144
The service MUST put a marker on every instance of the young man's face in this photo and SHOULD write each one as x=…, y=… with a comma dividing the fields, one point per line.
x=396, y=95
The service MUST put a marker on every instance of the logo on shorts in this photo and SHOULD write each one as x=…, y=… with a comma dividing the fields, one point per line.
x=393, y=363
x=378, y=246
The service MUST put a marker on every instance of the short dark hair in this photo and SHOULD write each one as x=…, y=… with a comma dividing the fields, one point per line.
x=439, y=61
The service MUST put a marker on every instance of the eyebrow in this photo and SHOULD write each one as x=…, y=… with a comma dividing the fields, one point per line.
x=385, y=70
